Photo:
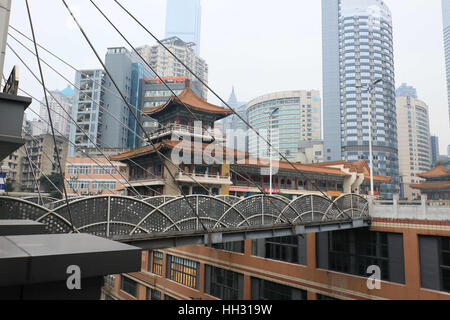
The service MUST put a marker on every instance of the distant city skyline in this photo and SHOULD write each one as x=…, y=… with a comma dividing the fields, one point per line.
x=245, y=55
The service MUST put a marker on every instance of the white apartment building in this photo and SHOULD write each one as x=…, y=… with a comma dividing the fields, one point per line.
x=414, y=143
x=60, y=104
x=166, y=65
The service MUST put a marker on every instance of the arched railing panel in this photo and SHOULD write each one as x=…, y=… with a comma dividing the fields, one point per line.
x=121, y=216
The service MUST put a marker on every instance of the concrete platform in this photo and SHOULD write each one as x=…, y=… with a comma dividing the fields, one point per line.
x=36, y=266
x=21, y=227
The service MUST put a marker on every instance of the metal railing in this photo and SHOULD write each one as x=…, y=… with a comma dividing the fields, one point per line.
x=116, y=216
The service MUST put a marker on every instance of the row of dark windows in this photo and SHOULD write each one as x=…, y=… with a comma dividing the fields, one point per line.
x=348, y=251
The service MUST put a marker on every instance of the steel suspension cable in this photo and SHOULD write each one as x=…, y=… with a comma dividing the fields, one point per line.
x=215, y=94
x=62, y=108
x=100, y=107
x=48, y=109
x=222, y=100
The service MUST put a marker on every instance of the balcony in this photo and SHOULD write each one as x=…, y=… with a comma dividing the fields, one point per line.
x=145, y=182
x=183, y=130
x=203, y=178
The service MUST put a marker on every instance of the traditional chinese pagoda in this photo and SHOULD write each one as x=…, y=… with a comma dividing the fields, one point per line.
x=185, y=122
x=437, y=184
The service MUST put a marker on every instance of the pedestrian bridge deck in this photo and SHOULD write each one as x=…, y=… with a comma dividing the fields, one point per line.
x=162, y=222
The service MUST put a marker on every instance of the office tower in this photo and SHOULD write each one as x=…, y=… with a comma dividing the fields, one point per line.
x=414, y=149
x=357, y=50
x=233, y=127
x=60, y=104
x=292, y=115
x=446, y=23
x=127, y=69
x=165, y=65
x=435, y=149
x=183, y=20
x=406, y=91
x=86, y=111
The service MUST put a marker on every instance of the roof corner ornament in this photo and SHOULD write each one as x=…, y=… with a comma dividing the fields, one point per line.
x=12, y=84
x=187, y=83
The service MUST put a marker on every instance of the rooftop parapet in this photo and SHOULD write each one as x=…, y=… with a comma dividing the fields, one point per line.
x=411, y=210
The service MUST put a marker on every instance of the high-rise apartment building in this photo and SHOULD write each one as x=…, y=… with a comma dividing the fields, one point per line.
x=446, y=23
x=292, y=115
x=183, y=20
x=165, y=65
x=60, y=104
x=406, y=91
x=435, y=149
x=42, y=152
x=98, y=107
x=357, y=50
x=86, y=110
x=414, y=143
x=127, y=69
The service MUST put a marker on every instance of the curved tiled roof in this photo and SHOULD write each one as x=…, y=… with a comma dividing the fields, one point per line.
x=243, y=160
x=284, y=165
x=432, y=185
x=191, y=100
x=138, y=152
x=438, y=172
x=356, y=166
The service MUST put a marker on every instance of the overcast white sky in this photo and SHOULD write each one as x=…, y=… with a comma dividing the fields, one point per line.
x=259, y=46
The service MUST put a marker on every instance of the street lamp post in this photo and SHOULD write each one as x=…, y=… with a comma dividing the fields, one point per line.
x=369, y=89
x=270, y=146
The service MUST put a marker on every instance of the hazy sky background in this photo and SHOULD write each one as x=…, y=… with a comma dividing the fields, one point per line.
x=259, y=46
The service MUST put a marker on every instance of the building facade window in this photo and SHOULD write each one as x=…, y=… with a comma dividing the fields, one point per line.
x=354, y=251
x=288, y=249
x=79, y=169
x=435, y=262
x=129, y=286
x=267, y=290
x=224, y=284
x=157, y=263
x=183, y=271
x=153, y=294
x=236, y=246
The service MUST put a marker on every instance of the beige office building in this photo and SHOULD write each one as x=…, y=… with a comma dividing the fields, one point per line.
x=294, y=116
x=414, y=146
x=166, y=65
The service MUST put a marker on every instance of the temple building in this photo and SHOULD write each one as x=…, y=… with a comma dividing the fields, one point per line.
x=174, y=159
x=437, y=184
x=189, y=155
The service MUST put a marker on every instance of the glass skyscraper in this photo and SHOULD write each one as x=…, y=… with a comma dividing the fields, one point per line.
x=446, y=19
x=358, y=49
x=183, y=20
